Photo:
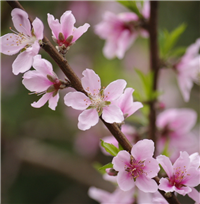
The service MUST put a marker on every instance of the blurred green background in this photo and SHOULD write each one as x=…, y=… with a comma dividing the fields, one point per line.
x=45, y=158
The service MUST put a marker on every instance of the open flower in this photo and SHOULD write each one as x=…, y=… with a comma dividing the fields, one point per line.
x=188, y=69
x=175, y=130
x=181, y=176
x=43, y=80
x=64, y=33
x=27, y=40
x=120, y=31
x=138, y=168
x=99, y=101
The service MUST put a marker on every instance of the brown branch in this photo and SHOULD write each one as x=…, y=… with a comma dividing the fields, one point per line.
x=154, y=65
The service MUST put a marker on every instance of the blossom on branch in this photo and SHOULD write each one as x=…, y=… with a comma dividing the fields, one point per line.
x=43, y=80
x=120, y=31
x=25, y=40
x=188, y=69
x=174, y=127
x=98, y=102
x=64, y=33
x=183, y=175
x=138, y=168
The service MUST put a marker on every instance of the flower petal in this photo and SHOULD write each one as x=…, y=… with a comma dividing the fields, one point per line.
x=77, y=100
x=91, y=82
x=109, y=49
x=112, y=114
x=98, y=194
x=54, y=25
x=53, y=101
x=192, y=178
x=125, y=180
x=21, y=21
x=38, y=28
x=126, y=104
x=22, y=63
x=146, y=184
x=121, y=160
x=77, y=32
x=166, y=164
x=87, y=119
x=67, y=21
x=9, y=44
x=165, y=185
x=183, y=190
x=114, y=90
x=42, y=100
x=195, y=195
x=35, y=82
x=182, y=162
x=151, y=167
x=143, y=149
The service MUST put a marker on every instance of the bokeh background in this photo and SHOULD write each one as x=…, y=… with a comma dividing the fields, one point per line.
x=45, y=158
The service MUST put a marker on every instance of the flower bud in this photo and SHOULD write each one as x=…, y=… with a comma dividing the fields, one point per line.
x=111, y=172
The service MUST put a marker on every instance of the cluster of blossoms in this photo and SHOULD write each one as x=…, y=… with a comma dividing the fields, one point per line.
x=134, y=171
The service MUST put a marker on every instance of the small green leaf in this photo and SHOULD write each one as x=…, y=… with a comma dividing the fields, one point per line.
x=120, y=147
x=109, y=165
x=110, y=148
x=177, y=52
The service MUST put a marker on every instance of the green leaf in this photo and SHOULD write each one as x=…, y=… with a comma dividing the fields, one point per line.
x=177, y=52
x=120, y=147
x=110, y=148
x=109, y=165
x=168, y=40
x=131, y=5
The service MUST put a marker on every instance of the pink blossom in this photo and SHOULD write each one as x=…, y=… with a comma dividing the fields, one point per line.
x=195, y=195
x=138, y=168
x=43, y=80
x=99, y=101
x=64, y=33
x=181, y=176
x=188, y=69
x=119, y=31
x=175, y=130
x=26, y=40
x=126, y=104
x=117, y=197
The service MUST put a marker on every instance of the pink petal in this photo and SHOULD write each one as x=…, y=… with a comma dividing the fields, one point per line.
x=9, y=44
x=192, y=177
x=146, y=9
x=21, y=21
x=54, y=25
x=114, y=90
x=53, y=101
x=146, y=184
x=38, y=28
x=121, y=160
x=87, y=119
x=67, y=21
x=77, y=100
x=195, y=160
x=125, y=181
x=166, y=164
x=77, y=32
x=110, y=48
x=91, y=82
x=35, y=82
x=126, y=104
x=151, y=167
x=195, y=195
x=143, y=149
x=43, y=66
x=165, y=186
x=183, y=190
x=22, y=63
x=112, y=114
x=98, y=194
x=42, y=100
x=182, y=162
x=124, y=42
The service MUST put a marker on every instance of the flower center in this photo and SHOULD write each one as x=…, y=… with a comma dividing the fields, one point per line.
x=135, y=168
x=177, y=178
